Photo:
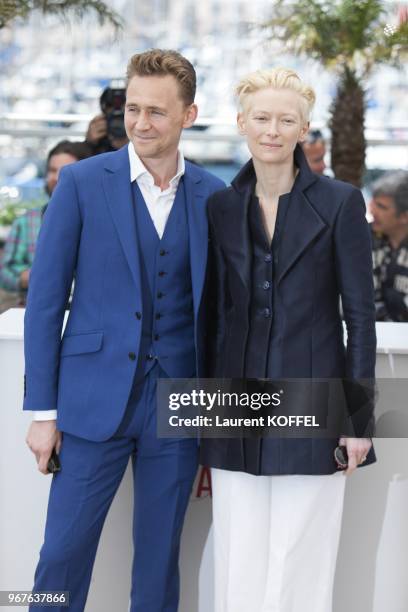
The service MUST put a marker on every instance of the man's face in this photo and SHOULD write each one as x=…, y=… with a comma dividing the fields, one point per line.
x=385, y=217
x=155, y=115
x=54, y=166
x=273, y=124
x=315, y=153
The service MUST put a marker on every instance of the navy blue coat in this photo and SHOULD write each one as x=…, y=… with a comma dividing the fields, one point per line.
x=324, y=254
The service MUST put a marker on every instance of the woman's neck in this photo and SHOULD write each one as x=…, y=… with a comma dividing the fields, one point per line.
x=273, y=180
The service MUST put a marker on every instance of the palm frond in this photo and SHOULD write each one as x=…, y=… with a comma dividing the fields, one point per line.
x=12, y=9
x=352, y=32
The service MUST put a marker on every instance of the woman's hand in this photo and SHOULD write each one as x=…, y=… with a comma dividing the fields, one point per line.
x=357, y=450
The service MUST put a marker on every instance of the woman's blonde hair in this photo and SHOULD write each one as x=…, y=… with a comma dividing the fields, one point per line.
x=278, y=78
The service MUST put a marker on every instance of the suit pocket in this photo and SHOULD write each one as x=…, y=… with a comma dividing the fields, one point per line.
x=81, y=343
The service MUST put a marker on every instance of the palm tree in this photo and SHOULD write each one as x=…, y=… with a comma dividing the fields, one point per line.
x=12, y=9
x=349, y=37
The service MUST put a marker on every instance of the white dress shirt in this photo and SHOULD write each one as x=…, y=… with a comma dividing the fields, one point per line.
x=159, y=204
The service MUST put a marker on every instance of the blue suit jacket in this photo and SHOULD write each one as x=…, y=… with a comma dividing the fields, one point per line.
x=89, y=234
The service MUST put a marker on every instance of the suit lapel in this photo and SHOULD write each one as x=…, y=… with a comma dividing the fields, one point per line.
x=196, y=196
x=118, y=192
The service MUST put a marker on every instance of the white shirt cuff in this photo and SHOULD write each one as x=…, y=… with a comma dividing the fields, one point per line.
x=44, y=415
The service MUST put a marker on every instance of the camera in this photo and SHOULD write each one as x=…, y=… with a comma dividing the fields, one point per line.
x=112, y=103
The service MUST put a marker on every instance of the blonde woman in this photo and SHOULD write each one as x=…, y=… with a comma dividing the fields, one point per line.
x=286, y=245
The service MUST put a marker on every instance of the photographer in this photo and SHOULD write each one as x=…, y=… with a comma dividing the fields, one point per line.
x=106, y=132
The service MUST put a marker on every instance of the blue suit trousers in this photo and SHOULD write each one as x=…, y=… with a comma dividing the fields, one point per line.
x=81, y=494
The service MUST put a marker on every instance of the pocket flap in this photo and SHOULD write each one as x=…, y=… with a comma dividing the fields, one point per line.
x=81, y=343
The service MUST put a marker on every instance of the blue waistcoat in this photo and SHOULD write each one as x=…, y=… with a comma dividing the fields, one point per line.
x=167, y=300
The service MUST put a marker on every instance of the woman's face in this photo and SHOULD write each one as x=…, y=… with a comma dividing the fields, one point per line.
x=273, y=124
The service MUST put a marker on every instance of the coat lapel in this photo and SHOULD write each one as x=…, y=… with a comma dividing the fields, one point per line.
x=302, y=224
x=237, y=225
x=196, y=196
x=118, y=192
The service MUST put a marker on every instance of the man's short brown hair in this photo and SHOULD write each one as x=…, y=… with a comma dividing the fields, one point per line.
x=161, y=62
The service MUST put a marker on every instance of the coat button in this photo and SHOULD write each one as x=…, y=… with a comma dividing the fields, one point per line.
x=160, y=295
x=162, y=252
x=158, y=315
x=268, y=258
x=162, y=273
x=266, y=285
x=138, y=315
x=132, y=356
x=156, y=336
x=266, y=313
x=149, y=357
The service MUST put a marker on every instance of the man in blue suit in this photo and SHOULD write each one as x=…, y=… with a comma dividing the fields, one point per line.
x=130, y=227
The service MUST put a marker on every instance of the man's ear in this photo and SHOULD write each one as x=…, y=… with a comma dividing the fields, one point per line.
x=190, y=115
x=403, y=217
x=303, y=132
x=241, y=123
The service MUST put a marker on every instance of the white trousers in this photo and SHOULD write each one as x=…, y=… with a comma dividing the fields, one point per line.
x=275, y=541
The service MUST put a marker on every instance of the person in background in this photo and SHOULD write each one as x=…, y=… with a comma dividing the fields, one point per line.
x=106, y=131
x=19, y=249
x=389, y=208
x=314, y=148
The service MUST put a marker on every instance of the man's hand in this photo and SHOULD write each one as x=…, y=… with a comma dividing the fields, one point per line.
x=42, y=436
x=97, y=129
x=357, y=450
x=24, y=276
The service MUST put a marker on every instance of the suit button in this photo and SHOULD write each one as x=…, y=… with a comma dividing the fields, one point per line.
x=149, y=357
x=266, y=313
x=162, y=273
x=132, y=356
x=268, y=258
x=156, y=337
x=266, y=285
x=160, y=295
x=158, y=315
x=138, y=315
x=162, y=252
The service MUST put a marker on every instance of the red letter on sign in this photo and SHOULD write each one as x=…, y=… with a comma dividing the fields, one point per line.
x=204, y=482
